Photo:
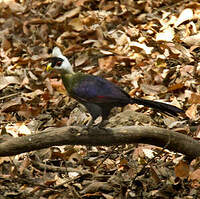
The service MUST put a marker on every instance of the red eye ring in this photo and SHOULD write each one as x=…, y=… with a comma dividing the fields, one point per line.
x=59, y=63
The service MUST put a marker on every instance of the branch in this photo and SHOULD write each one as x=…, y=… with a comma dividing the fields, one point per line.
x=94, y=137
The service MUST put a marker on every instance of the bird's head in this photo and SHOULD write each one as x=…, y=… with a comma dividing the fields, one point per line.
x=59, y=62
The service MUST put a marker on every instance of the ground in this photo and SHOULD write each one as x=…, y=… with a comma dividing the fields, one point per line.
x=149, y=48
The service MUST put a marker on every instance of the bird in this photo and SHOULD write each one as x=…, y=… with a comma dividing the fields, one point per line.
x=97, y=94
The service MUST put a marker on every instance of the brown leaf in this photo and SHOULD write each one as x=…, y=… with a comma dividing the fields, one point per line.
x=97, y=186
x=68, y=14
x=186, y=14
x=81, y=59
x=166, y=35
x=187, y=70
x=80, y=2
x=44, y=30
x=153, y=89
x=100, y=36
x=50, y=182
x=175, y=87
x=14, y=6
x=25, y=163
x=193, y=40
x=154, y=174
x=182, y=169
x=29, y=111
x=49, y=86
x=5, y=44
x=192, y=112
x=5, y=81
x=107, y=63
x=76, y=24
x=89, y=20
x=144, y=47
x=62, y=122
x=58, y=85
x=107, y=196
x=108, y=5
x=4, y=159
x=34, y=94
x=195, y=178
x=194, y=99
x=12, y=105
x=75, y=158
x=54, y=9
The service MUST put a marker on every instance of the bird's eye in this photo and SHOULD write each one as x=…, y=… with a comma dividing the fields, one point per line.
x=59, y=63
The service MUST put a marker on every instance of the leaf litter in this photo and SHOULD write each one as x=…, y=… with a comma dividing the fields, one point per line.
x=149, y=48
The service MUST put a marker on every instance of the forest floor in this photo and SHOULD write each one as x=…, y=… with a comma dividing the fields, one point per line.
x=149, y=48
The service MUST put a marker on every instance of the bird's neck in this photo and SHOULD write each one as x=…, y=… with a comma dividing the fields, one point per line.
x=67, y=80
x=67, y=71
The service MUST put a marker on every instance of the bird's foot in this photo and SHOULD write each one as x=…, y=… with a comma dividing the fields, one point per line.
x=91, y=125
x=100, y=125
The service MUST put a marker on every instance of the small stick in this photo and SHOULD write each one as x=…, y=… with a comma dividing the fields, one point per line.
x=7, y=96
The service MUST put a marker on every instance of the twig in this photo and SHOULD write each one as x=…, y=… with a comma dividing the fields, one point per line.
x=8, y=96
x=107, y=155
x=41, y=166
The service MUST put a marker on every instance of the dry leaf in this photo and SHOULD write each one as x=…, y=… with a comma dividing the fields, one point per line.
x=34, y=94
x=97, y=186
x=153, y=89
x=68, y=14
x=58, y=85
x=76, y=24
x=4, y=159
x=166, y=35
x=186, y=14
x=195, y=178
x=182, y=169
x=5, y=81
x=75, y=158
x=197, y=132
x=80, y=2
x=194, y=99
x=107, y=63
x=50, y=182
x=27, y=111
x=81, y=59
x=107, y=196
x=12, y=105
x=144, y=47
x=25, y=163
x=193, y=40
x=54, y=9
x=15, y=7
x=5, y=44
x=192, y=112
x=175, y=87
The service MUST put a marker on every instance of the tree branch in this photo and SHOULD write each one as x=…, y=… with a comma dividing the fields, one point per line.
x=94, y=137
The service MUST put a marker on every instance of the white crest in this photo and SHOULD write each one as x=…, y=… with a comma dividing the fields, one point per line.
x=66, y=66
x=56, y=52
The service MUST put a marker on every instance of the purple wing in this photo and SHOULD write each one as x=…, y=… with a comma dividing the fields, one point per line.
x=99, y=90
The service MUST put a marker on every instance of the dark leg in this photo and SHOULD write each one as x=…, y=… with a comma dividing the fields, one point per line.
x=94, y=110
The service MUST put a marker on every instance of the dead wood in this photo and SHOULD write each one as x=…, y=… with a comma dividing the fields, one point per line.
x=94, y=137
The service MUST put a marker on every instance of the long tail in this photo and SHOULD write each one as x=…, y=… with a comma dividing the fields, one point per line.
x=162, y=107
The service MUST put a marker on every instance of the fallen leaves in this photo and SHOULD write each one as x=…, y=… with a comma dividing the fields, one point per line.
x=68, y=14
x=7, y=80
x=195, y=178
x=182, y=169
x=147, y=49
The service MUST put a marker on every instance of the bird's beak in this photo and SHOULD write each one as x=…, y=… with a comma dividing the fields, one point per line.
x=48, y=68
